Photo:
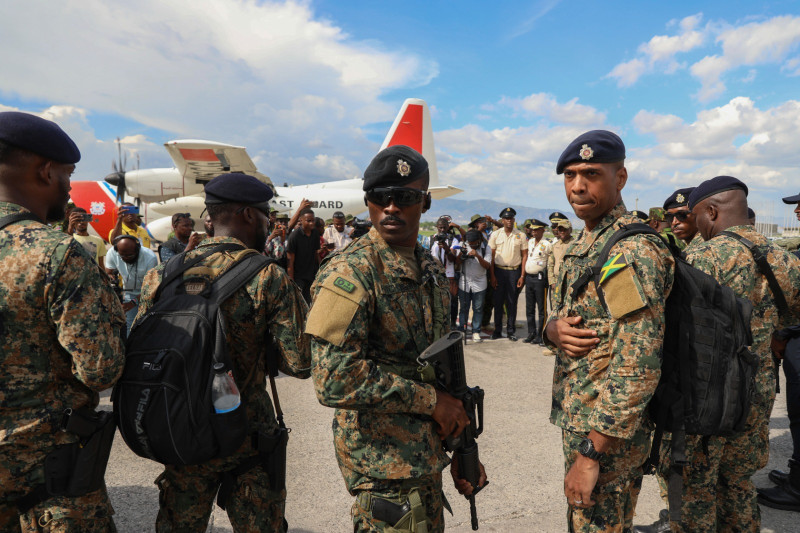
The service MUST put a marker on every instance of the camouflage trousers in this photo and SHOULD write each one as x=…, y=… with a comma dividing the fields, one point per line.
x=617, y=488
x=186, y=499
x=91, y=513
x=397, y=491
x=718, y=494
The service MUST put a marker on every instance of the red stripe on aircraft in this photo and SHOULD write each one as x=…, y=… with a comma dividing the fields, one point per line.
x=409, y=130
x=199, y=154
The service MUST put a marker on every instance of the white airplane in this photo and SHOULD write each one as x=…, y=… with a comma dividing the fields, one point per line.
x=161, y=192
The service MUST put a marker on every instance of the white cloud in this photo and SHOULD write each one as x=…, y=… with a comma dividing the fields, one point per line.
x=660, y=51
x=269, y=75
x=755, y=43
x=546, y=106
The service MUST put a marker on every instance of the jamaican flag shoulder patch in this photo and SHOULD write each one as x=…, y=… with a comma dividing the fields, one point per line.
x=612, y=266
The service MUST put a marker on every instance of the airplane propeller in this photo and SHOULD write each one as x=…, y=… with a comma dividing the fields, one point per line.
x=117, y=176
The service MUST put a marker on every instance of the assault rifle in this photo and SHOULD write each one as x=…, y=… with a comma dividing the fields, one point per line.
x=446, y=357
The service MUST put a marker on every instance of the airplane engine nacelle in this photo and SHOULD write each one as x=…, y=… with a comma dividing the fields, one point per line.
x=159, y=184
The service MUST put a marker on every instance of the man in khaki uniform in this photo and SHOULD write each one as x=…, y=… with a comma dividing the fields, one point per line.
x=509, y=254
x=556, y=257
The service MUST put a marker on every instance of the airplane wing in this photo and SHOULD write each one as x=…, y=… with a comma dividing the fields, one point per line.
x=439, y=192
x=203, y=160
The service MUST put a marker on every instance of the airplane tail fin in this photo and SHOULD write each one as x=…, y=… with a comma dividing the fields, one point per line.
x=412, y=127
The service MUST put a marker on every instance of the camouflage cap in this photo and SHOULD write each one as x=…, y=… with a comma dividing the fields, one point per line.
x=656, y=213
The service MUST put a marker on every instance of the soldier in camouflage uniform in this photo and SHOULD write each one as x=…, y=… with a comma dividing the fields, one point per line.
x=61, y=329
x=718, y=494
x=658, y=221
x=270, y=305
x=607, y=357
x=391, y=300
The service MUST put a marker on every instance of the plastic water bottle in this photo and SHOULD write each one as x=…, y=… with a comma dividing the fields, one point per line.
x=224, y=393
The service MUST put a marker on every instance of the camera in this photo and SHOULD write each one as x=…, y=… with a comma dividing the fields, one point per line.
x=440, y=237
x=360, y=227
x=86, y=217
x=130, y=209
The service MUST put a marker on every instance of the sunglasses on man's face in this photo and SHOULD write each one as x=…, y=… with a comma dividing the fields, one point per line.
x=680, y=215
x=400, y=196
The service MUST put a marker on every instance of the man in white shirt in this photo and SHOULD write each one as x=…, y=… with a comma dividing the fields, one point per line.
x=336, y=235
x=536, y=280
x=475, y=260
x=130, y=261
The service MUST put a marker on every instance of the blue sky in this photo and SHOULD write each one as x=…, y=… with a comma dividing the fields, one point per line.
x=311, y=87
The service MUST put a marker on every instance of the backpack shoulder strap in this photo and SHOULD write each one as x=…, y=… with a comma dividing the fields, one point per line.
x=766, y=270
x=593, y=272
x=17, y=217
x=237, y=276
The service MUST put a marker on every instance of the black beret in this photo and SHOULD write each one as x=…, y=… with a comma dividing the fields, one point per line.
x=679, y=198
x=751, y=213
x=39, y=136
x=715, y=186
x=473, y=235
x=639, y=213
x=508, y=212
x=596, y=146
x=238, y=188
x=792, y=199
x=394, y=166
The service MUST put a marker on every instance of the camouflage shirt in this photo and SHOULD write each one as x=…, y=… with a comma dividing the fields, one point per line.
x=371, y=318
x=732, y=265
x=268, y=305
x=61, y=329
x=696, y=241
x=670, y=237
x=608, y=389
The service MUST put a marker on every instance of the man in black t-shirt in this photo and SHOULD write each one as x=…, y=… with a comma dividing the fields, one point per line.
x=301, y=252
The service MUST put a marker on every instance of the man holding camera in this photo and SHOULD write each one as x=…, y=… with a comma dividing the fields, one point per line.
x=79, y=229
x=475, y=258
x=184, y=240
x=129, y=223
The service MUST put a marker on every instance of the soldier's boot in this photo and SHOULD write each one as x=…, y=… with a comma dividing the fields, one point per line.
x=779, y=477
x=787, y=496
x=659, y=526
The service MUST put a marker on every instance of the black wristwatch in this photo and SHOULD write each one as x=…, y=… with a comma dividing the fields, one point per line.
x=586, y=448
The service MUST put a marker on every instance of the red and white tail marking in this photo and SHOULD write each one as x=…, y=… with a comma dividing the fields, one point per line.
x=412, y=127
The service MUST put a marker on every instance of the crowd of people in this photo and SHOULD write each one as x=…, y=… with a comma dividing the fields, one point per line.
x=63, y=337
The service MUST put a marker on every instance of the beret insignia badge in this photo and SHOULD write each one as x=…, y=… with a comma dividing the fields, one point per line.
x=403, y=168
x=680, y=198
x=586, y=152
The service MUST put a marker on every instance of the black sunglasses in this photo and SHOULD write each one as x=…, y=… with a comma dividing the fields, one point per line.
x=680, y=215
x=401, y=196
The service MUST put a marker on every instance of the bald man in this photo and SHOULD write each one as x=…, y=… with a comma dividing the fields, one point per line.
x=718, y=494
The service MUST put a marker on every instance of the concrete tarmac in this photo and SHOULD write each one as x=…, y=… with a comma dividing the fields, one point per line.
x=520, y=449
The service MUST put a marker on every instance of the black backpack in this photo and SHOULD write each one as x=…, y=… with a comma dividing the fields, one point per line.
x=707, y=371
x=162, y=402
